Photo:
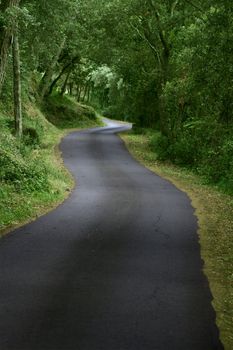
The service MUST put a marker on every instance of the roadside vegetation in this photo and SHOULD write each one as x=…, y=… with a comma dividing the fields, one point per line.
x=64, y=112
x=32, y=177
x=214, y=210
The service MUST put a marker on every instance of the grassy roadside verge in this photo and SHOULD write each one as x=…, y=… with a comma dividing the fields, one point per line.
x=215, y=216
x=33, y=178
x=20, y=207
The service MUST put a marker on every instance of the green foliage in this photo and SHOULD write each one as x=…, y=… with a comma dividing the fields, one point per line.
x=31, y=137
x=202, y=149
x=31, y=177
x=24, y=174
x=166, y=65
x=18, y=166
x=160, y=145
x=65, y=112
x=217, y=164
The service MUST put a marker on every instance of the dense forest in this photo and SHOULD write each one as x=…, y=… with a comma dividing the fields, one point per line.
x=165, y=65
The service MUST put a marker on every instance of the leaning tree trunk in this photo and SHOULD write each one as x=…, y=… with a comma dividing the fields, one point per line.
x=71, y=88
x=46, y=80
x=63, y=89
x=5, y=39
x=17, y=85
x=79, y=89
x=164, y=120
x=86, y=90
x=64, y=69
x=89, y=92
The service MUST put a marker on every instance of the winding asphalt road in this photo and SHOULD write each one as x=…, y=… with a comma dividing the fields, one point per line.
x=116, y=267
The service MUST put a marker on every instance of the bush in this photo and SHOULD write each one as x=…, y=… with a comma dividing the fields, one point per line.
x=217, y=164
x=183, y=151
x=160, y=145
x=138, y=130
x=86, y=111
x=64, y=112
x=23, y=173
x=209, y=155
x=31, y=137
x=113, y=112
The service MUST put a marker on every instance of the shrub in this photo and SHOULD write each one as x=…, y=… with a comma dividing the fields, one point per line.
x=160, y=145
x=64, y=112
x=31, y=137
x=24, y=173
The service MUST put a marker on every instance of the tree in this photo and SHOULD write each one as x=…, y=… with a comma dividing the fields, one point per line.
x=6, y=32
x=17, y=84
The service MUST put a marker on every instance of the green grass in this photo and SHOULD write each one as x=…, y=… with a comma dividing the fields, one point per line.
x=65, y=112
x=214, y=210
x=33, y=179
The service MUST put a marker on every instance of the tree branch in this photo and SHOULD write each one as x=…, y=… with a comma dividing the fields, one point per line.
x=173, y=7
x=161, y=35
x=69, y=67
x=146, y=39
x=194, y=5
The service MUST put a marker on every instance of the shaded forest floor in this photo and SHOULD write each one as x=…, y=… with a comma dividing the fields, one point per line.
x=215, y=217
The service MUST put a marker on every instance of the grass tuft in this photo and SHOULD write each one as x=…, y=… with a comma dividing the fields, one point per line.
x=65, y=112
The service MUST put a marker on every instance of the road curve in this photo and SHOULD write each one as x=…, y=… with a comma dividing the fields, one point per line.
x=117, y=266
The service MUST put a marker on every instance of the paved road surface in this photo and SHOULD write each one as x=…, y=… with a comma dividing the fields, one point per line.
x=116, y=267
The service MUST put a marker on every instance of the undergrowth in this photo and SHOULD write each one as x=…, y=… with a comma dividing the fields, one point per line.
x=208, y=152
x=32, y=176
x=64, y=112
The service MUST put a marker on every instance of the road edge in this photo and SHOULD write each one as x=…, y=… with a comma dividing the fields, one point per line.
x=202, y=221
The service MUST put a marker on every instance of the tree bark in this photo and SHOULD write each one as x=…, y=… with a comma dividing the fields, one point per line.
x=71, y=88
x=67, y=67
x=58, y=78
x=89, y=92
x=63, y=90
x=162, y=54
x=79, y=89
x=47, y=77
x=17, y=85
x=86, y=95
x=6, y=34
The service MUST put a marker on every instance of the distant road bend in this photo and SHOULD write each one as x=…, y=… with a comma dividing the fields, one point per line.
x=117, y=266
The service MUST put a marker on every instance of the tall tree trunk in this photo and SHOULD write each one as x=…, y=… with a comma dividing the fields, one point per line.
x=68, y=66
x=17, y=85
x=164, y=121
x=89, y=92
x=71, y=88
x=5, y=39
x=47, y=77
x=162, y=54
x=63, y=89
x=86, y=90
x=79, y=89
